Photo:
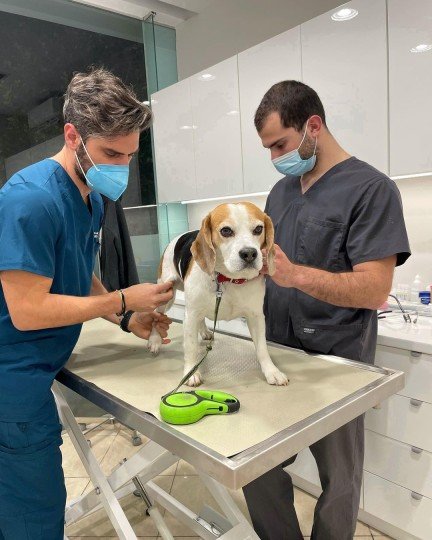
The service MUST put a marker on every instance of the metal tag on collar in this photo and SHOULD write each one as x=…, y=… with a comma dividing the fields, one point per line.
x=219, y=290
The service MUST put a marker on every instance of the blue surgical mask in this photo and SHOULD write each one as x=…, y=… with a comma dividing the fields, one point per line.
x=292, y=163
x=106, y=179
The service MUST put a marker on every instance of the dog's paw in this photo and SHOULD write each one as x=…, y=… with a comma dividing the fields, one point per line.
x=195, y=379
x=206, y=334
x=154, y=343
x=276, y=377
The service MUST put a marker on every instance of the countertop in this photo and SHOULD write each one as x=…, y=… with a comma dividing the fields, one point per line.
x=395, y=332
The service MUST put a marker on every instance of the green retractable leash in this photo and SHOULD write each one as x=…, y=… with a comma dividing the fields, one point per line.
x=189, y=407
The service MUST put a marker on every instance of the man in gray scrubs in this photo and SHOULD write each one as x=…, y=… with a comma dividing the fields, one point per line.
x=340, y=231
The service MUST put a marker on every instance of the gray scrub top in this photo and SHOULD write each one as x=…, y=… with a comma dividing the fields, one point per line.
x=351, y=215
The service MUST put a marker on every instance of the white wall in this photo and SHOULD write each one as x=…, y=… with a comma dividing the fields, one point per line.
x=227, y=27
x=417, y=202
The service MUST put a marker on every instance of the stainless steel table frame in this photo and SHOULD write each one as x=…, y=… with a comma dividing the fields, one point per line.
x=218, y=472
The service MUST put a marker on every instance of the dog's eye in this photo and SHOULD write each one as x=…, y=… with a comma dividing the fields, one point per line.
x=226, y=231
x=258, y=229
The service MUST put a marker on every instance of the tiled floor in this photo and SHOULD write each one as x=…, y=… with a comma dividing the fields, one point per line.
x=110, y=444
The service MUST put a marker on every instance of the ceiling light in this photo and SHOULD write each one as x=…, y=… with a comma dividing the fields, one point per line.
x=344, y=14
x=423, y=47
x=232, y=113
x=206, y=77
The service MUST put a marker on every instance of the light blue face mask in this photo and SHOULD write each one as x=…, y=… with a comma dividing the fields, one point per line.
x=291, y=163
x=106, y=179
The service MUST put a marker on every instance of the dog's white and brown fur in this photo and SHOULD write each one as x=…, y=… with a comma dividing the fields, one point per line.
x=229, y=243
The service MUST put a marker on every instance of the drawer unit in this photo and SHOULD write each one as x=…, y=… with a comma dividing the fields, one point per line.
x=408, y=466
x=404, y=419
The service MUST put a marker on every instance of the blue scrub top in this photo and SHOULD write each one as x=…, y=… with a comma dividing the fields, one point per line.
x=46, y=229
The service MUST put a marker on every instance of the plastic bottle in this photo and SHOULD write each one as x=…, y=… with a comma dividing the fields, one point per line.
x=416, y=287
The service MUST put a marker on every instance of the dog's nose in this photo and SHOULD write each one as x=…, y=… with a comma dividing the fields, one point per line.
x=248, y=254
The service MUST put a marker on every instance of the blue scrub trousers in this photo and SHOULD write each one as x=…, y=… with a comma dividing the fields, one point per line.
x=32, y=488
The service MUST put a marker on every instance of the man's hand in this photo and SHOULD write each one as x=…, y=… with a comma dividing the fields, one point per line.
x=141, y=325
x=148, y=296
x=285, y=270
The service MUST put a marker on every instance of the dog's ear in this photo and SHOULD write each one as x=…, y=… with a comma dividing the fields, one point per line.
x=269, y=244
x=202, y=248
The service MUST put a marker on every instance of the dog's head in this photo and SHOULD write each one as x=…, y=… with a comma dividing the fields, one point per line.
x=231, y=238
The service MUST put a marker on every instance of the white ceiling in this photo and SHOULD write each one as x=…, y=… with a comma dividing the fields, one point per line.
x=168, y=12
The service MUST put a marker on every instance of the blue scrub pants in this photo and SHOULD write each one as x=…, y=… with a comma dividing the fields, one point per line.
x=32, y=488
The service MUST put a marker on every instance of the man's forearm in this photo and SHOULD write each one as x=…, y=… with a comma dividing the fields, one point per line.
x=347, y=289
x=97, y=289
x=55, y=310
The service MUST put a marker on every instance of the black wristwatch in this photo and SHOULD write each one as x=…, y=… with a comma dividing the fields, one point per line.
x=124, y=324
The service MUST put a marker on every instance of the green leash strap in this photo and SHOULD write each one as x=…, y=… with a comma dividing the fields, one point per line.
x=209, y=346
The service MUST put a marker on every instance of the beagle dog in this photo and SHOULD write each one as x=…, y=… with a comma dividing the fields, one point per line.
x=227, y=249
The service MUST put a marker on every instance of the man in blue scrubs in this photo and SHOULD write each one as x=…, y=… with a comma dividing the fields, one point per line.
x=50, y=217
x=340, y=231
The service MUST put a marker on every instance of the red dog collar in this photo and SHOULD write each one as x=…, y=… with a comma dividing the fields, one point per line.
x=223, y=279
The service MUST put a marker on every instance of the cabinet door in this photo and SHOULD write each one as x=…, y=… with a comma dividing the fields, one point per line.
x=410, y=82
x=173, y=142
x=260, y=67
x=217, y=140
x=346, y=63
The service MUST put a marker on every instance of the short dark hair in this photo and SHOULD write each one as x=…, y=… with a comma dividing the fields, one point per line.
x=99, y=104
x=293, y=100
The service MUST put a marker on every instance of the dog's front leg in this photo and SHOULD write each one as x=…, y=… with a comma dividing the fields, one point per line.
x=256, y=325
x=191, y=325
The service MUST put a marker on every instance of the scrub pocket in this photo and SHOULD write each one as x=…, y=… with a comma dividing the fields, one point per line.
x=319, y=244
x=344, y=340
x=31, y=475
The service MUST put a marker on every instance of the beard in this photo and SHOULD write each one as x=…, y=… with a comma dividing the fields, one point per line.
x=85, y=164
x=307, y=148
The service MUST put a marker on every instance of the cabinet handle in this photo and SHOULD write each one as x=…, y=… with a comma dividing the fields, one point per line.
x=415, y=402
x=416, y=496
x=415, y=354
x=416, y=450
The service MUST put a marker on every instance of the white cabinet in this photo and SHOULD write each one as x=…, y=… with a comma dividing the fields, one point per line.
x=410, y=82
x=173, y=141
x=217, y=139
x=197, y=136
x=260, y=67
x=399, y=463
x=346, y=63
x=406, y=510
x=404, y=419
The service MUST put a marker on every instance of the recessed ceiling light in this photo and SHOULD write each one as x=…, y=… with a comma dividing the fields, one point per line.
x=232, y=113
x=423, y=47
x=206, y=77
x=344, y=14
